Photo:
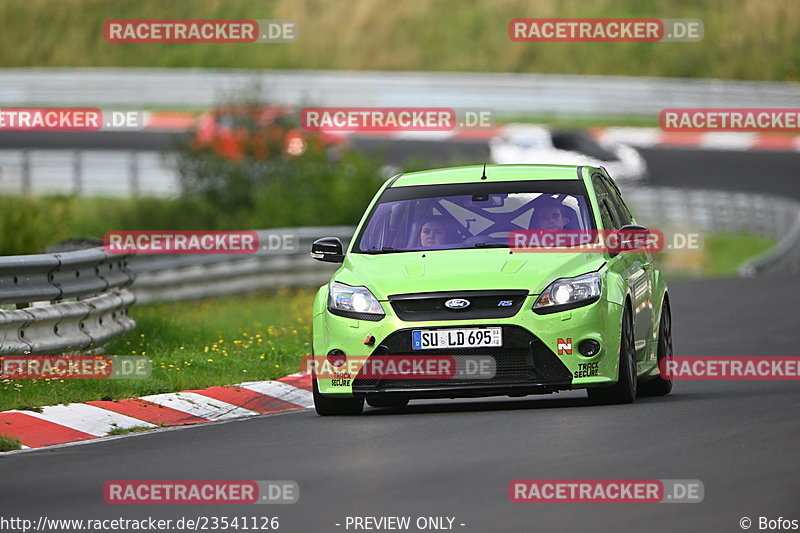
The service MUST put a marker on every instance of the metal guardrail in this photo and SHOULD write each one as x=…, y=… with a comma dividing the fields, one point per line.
x=785, y=257
x=510, y=93
x=61, y=302
x=722, y=211
x=98, y=280
x=713, y=211
x=120, y=173
x=169, y=278
x=185, y=277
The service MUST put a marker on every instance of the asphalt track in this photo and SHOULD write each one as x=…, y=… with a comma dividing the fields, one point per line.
x=751, y=171
x=456, y=458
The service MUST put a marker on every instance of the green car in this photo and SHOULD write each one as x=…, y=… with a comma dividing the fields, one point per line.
x=433, y=274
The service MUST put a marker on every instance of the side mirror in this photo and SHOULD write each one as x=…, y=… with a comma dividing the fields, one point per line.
x=633, y=237
x=328, y=249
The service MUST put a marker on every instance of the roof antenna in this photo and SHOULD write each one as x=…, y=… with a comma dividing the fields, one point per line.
x=483, y=177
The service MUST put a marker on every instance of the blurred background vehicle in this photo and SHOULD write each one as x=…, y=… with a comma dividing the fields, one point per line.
x=234, y=131
x=530, y=143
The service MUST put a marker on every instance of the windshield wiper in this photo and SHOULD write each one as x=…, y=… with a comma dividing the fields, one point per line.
x=384, y=250
x=489, y=245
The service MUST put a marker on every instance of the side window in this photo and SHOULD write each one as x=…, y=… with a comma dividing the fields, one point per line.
x=608, y=213
x=619, y=203
x=605, y=215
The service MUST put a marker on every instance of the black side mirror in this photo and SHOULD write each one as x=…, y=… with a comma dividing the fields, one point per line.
x=328, y=249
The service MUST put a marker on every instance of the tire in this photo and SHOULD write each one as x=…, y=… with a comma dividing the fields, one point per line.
x=327, y=406
x=387, y=401
x=624, y=391
x=660, y=386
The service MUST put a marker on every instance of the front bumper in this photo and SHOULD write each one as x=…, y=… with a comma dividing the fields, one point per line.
x=535, y=356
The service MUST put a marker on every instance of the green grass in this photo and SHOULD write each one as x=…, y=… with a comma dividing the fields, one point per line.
x=744, y=39
x=8, y=444
x=722, y=255
x=580, y=122
x=125, y=431
x=192, y=345
x=727, y=251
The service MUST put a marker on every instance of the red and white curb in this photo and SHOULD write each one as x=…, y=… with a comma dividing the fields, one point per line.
x=651, y=137
x=169, y=120
x=183, y=120
x=61, y=424
x=640, y=137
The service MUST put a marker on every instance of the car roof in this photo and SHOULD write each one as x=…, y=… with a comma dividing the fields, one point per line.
x=473, y=173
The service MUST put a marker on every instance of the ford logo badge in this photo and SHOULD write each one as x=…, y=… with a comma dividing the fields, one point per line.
x=457, y=303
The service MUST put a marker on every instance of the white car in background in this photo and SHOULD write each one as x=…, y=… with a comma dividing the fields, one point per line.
x=526, y=143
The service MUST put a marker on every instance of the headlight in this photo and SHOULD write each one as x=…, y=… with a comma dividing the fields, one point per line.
x=569, y=293
x=354, y=302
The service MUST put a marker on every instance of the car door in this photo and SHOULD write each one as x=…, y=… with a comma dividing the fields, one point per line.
x=647, y=315
x=633, y=267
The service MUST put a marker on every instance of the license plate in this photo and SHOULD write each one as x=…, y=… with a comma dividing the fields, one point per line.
x=432, y=339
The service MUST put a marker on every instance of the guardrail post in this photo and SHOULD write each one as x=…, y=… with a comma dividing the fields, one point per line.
x=133, y=173
x=77, y=172
x=26, y=170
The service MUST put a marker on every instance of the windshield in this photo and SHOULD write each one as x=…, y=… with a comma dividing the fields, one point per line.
x=443, y=217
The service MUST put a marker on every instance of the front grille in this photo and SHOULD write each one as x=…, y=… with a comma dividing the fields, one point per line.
x=425, y=306
x=523, y=359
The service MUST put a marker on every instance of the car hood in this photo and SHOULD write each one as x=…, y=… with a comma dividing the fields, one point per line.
x=457, y=270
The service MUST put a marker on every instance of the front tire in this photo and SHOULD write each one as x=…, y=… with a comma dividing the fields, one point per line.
x=660, y=386
x=328, y=406
x=624, y=391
